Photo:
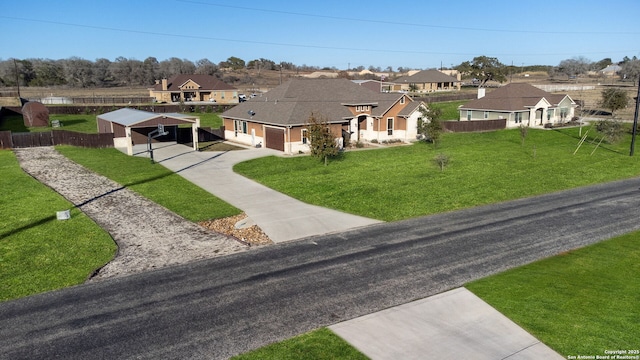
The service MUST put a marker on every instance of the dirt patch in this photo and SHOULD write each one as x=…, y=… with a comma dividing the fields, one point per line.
x=148, y=235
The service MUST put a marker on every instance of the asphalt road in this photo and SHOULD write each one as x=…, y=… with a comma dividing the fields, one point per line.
x=218, y=308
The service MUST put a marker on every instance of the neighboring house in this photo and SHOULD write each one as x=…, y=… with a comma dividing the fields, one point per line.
x=519, y=104
x=611, y=70
x=354, y=113
x=130, y=126
x=426, y=81
x=194, y=87
x=375, y=85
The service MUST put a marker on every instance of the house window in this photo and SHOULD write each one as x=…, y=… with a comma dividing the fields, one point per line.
x=402, y=100
x=390, y=126
x=563, y=113
x=362, y=108
x=304, y=136
x=486, y=115
x=240, y=127
x=469, y=112
x=518, y=117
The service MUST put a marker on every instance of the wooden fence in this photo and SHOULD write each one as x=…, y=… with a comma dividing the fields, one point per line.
x=57, y=137
x=475, y=125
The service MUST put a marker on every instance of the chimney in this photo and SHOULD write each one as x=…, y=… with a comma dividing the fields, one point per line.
x=164, y=84
x=481, y=92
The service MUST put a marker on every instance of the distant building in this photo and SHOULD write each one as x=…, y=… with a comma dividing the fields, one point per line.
x=194, y=87
x=426, y=81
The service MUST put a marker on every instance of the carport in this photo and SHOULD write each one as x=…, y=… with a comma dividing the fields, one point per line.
x=130, y=126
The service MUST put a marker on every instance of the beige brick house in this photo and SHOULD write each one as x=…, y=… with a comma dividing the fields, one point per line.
x=278, y=119
x=193, y=87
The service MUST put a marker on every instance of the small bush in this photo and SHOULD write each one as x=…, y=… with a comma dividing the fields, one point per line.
x=374, y=141
x=441, y=160
x=359, y=144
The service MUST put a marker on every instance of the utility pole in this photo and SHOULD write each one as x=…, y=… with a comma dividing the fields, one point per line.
x=635, y=120
x=15, y=65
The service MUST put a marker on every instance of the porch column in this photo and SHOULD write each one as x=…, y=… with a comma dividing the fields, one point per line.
x=194, y=133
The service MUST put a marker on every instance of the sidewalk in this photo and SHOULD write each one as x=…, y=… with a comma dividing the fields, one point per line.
x=453, y=325
x=281, y=217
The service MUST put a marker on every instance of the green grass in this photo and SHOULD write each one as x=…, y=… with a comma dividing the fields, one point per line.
x=403, y=182
x=38, y=252
x=321, y=344
x=449, y=109
x=152, y=181
x=212, y=120
x=579, y=303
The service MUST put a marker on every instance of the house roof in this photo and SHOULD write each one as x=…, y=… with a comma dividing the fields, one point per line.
x=206, y=82
x=513, y=97
x=131, y=117
x=294, y=101
x=426, y=76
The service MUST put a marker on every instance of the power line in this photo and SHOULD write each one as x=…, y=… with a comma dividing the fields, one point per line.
x=384, y=22
x=352, y=49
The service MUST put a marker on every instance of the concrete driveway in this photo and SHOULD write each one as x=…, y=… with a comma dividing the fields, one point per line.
x=281, y=217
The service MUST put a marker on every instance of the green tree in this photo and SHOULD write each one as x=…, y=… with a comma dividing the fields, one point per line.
x=611, y=130
x=321, y=141
x=430, y=125
x=614, y=99
x=484, y=69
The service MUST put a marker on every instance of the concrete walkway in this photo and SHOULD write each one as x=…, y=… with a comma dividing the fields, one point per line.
x=453, y=325
x=281, y=217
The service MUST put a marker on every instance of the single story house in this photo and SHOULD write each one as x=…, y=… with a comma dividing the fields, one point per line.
x=519, y=104
x=426, y=81
x=193, y=87
x=131, y=126
x=611, y=70
x=278, y=119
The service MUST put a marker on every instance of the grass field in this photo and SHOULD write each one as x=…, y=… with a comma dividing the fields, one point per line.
x=404, y=182
x=582, y=302
x=38, y=252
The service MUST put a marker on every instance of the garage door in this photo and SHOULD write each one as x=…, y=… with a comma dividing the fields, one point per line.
x=274, y=138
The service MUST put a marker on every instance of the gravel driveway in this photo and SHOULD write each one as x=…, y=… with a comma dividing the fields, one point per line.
x=148, y=235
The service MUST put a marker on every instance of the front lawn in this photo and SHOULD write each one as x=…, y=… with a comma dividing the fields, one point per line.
x=38, y=252
x=152, y=181
x=582, y=302
x=403, y=181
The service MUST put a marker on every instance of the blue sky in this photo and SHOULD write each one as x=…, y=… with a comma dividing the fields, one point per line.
x=329, y=33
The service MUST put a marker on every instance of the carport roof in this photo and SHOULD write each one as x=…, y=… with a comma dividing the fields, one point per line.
x=131, y=117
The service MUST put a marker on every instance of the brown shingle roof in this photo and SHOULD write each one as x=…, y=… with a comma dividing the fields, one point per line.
x=513, y=97
x=294, y=101
x=425, y=76
x=206, y=82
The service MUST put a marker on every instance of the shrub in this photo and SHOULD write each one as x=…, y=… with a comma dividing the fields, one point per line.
x=441, y=160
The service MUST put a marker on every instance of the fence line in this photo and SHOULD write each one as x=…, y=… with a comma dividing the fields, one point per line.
x=57, y=137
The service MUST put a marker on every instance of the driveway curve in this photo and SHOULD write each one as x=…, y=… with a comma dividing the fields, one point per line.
x=281, y=217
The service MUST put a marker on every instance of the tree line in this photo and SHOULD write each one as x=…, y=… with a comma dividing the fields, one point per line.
x=82, y=73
